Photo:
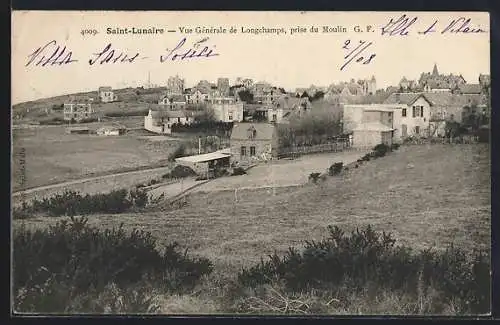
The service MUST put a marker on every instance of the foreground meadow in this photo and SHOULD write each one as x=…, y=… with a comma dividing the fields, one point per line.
x=426, y=196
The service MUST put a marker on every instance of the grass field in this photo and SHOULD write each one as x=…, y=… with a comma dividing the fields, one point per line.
x=427, y=196
x=51, y=156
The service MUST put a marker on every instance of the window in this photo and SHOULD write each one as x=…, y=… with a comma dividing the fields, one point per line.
x=243, y=151
x=418, y=111
x=403, y=112
x=178, y=120
x=417, y=130
x=230, y=116
x=252, y=151
x=275, y=117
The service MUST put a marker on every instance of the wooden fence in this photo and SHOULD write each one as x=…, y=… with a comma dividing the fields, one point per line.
x=319, y=148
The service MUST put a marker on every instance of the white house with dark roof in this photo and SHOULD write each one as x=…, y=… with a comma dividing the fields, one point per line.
x=198, y=96
x=173, y=102
x=413, y=118
x=106, y=95
x=160, y=121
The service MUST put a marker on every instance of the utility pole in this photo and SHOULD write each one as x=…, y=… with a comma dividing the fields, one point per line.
x=199, y=145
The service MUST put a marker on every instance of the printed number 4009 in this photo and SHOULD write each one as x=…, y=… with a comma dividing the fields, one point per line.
x=92, y=32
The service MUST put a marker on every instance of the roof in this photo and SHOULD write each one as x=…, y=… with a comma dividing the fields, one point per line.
x=290, y=102
x=204, y=157
x=178, y=98
x=470, y=88
x=448, y=99
x=376, y=107
x=77, y=128
x=175, y=114
x=164, y=113
x=372, y=126
x=405, y=98
x=264, y=131
x=105, y=88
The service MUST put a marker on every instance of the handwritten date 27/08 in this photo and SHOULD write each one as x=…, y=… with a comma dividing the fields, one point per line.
x=359, y=53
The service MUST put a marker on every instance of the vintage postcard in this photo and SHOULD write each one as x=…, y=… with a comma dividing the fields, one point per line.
x=251, y=163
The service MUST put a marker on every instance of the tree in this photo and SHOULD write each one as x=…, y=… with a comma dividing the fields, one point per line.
x=206, y=116
x=317, y=96
x=246, y=96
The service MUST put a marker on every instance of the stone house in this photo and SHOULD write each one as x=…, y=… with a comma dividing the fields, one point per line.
x=251, y=142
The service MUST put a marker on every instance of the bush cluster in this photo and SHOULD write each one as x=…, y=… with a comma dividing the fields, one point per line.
x=54, y=265
x=140, y=112
x=366, y=257
x=53, y=121
x=238, y=171
x=71, y=203
x=335, y=169
x=380, y=150
x=314, y=177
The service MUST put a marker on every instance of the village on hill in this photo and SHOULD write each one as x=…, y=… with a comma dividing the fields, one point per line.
x=356, y=113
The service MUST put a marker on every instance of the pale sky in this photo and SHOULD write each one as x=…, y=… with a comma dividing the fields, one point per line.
x=285, y=60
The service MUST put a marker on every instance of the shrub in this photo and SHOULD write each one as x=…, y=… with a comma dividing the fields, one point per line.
x=52, y=121
x=366, y=257
x=180, y=151
x=335, y=169
x=138, y=112
x=366, y=157
x=181, y=171
x=356, y=166
x=380, y=150
x=166, y=176
x=71, y=203
x=153, y=182
x=69, y=259
x=139, y=198
x=314, y=177
x=238, y=171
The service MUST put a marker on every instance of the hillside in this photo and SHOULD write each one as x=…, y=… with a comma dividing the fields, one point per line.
x=50, y=107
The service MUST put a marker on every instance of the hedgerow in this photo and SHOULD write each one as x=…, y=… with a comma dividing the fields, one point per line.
x=71, y=203
x=366, y=257
x=52, y=267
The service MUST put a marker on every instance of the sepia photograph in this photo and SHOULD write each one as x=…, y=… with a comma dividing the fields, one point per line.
x=256, y=163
